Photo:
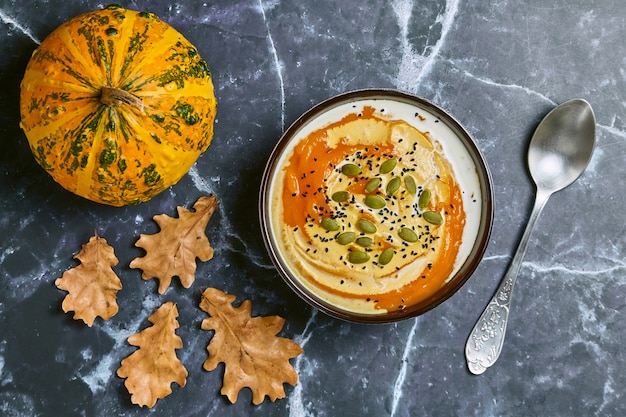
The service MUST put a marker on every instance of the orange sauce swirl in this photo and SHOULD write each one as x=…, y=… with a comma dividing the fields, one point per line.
x=306, y=200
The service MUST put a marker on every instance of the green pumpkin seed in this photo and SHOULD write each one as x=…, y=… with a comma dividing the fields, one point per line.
x=365, y=241
x=388, y=166
x=340, y=196
x=424, y=199
x=409, y=183
x=393, y=186
x=346, y=238
x=407, y=235
x=374, y=201
x=372, y=185
x=366, y=226
x=358, y=257
x=329, y=224
x=351, y=170
x=386, y=256
x=433, y=217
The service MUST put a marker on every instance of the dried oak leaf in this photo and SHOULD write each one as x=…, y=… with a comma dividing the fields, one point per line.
x=253, y=355
x=92, y=286
x=173, y=250
x=151, y=369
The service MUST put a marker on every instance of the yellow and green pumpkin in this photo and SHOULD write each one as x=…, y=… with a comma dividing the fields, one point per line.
x=117, y=105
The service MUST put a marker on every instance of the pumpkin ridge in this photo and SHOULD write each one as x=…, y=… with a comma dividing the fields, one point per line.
x=99, y=43
x=55, y=103
x=46, y=55
x=85, y=133
x=111, y=55
x=164, y=49
x=56, y=126
x=142, y=78
x=46, y=134
x=133, y=60
x=135, y=129
x=66, y=88
x=122, y=40
x=121, y=124
x=178, y=74
x=75, y=41
x=88, y=31
x=97, y=125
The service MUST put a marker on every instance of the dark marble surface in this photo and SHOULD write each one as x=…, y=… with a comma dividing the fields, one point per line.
x=498, y=66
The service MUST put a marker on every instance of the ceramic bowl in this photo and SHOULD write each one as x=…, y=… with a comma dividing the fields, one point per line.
x=385, y=106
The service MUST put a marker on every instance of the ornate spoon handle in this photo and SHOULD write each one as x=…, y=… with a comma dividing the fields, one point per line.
x=485, y=341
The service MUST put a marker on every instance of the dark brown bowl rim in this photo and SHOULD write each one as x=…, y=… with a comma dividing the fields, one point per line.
x=484, y=230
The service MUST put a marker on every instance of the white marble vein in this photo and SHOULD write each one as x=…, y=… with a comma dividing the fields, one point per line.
x=619, y=265
x=616, y=265
x=513, y=87
x=414, y=65
x=277, y=64
x=98, y=377
x=608, y=395
x=297, y=406
x=496, y=258
x=5, y=377
x=612, y=130
x=17, y=25
x=23, y=286
x=399, y=383
x=206, y=188
x=9, y=250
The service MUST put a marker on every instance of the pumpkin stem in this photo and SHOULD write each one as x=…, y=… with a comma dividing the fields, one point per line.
x=113, y=96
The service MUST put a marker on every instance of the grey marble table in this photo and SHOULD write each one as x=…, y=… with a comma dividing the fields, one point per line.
x=498, y=66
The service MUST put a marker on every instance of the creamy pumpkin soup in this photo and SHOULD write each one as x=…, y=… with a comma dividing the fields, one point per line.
x=368, y=212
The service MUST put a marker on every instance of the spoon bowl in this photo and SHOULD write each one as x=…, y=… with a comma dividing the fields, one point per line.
x=562, y=145
x=559, y=152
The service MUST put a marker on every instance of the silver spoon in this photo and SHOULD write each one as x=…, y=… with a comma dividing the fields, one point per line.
x=559, y=152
